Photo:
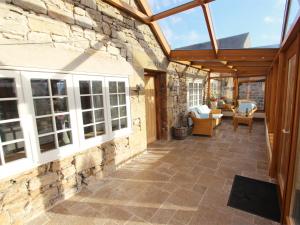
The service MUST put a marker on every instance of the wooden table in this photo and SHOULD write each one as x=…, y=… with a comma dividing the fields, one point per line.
x=247, y=120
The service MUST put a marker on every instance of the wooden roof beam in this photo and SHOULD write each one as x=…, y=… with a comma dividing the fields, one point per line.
x=210, y=28
x=155, y=28
x=179, y=9
x=129, y=9
x=242, y=55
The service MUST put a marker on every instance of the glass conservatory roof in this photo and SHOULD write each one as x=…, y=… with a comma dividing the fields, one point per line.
x=237, y=24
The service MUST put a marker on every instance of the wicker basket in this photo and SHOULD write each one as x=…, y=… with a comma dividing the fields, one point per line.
x=179, y=133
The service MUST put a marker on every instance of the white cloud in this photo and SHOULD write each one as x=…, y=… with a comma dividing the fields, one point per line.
x=272, y=20
x=268, y=19
x=175, y=19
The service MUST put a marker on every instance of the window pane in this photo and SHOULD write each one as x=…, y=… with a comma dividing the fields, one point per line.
x=64, y=138
x=123, y=111
x=113, y=100
x=84, y=87
x=62, y=122
x=112, y=87
x=42, y=107
x=39, y=87
x=8, y=110
x=10, y=131
x=99, y=115
x=98, y=101
x=58, y=87
x=100, y=129
x=86, y=102
x=47, y=143
x=121, y=87
x=114, y=112
x=124, y=123
x=97, y=87
x=115, y=125
x=122, y=99
x=89, y=132
x=44, y=125
x=87, y=117
x=60, y=105
x=7, y=88
x=14, y=151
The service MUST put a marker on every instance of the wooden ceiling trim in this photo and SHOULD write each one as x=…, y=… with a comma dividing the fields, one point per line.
x=249, y=63
x=155, y=28
x=176, y=10
x=119, y=4
x=228, y=55
x=210, y=28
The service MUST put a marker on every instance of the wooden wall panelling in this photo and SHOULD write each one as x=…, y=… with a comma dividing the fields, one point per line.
x=295, y=131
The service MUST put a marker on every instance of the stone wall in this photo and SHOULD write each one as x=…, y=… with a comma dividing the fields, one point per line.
x=254, y=91
x=93, y=31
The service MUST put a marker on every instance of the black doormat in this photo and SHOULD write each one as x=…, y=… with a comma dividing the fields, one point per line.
x=256, y=197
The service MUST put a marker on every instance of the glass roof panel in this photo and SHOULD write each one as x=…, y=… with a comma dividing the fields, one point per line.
x=186, y=29
x=254, y=23
x=293, y=12
x=162, y=5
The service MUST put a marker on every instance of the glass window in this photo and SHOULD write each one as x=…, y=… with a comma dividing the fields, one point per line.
x=254, y=23
x=92, y=108
x=159, y=5
x=293, y=14
x=12, y=143
x=51, y=113
x=186, y=30
x=195, y=94
x=118, y=107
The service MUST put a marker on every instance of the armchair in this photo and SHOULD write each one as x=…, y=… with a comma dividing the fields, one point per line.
x=205, y=119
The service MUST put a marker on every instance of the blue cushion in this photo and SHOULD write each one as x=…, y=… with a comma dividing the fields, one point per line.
x=246, y=105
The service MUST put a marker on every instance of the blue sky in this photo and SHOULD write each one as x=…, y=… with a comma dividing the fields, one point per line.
x=261, y=18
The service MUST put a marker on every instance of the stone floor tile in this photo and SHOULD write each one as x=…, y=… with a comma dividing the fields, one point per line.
x=180, y=182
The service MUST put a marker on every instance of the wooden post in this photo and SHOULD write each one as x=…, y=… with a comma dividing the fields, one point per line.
x=235, y=90
x=208, y=88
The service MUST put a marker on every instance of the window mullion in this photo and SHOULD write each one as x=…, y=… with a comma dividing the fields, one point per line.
x=53, y=114
x=93, y=109
x=1, y=154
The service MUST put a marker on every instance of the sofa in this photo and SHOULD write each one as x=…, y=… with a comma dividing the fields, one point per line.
x=205, y=119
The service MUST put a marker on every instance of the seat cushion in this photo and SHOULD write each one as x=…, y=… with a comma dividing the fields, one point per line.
x=244, y=106
x=204, y=109
x=194, y=110
x=204, y=115
x=217, y=116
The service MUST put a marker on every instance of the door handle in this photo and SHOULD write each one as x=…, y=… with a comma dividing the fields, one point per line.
x=285, y=131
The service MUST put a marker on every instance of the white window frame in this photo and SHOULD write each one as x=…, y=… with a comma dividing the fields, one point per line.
x=27, y=117
x=124, y=131
x=63, y=151
x=199, y=82
x=23, y=164
x=90, y=142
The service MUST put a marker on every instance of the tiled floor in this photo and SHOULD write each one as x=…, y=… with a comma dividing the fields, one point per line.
x=177, y=182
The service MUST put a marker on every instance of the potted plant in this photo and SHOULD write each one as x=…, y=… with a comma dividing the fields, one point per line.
x=180, y=132
x=213, y=102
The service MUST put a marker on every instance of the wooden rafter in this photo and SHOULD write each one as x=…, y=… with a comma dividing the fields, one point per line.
x=249, y=63
x=129, y=9
x=155, y=27
x=224, y=54
x=179, y=9
x=210, y=28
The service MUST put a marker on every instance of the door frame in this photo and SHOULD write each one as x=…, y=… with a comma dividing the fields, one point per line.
x=160, y=83
x=294, y=137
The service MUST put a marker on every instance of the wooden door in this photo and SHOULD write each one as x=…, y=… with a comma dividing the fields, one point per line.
x=150, y=102
x=287, y=119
